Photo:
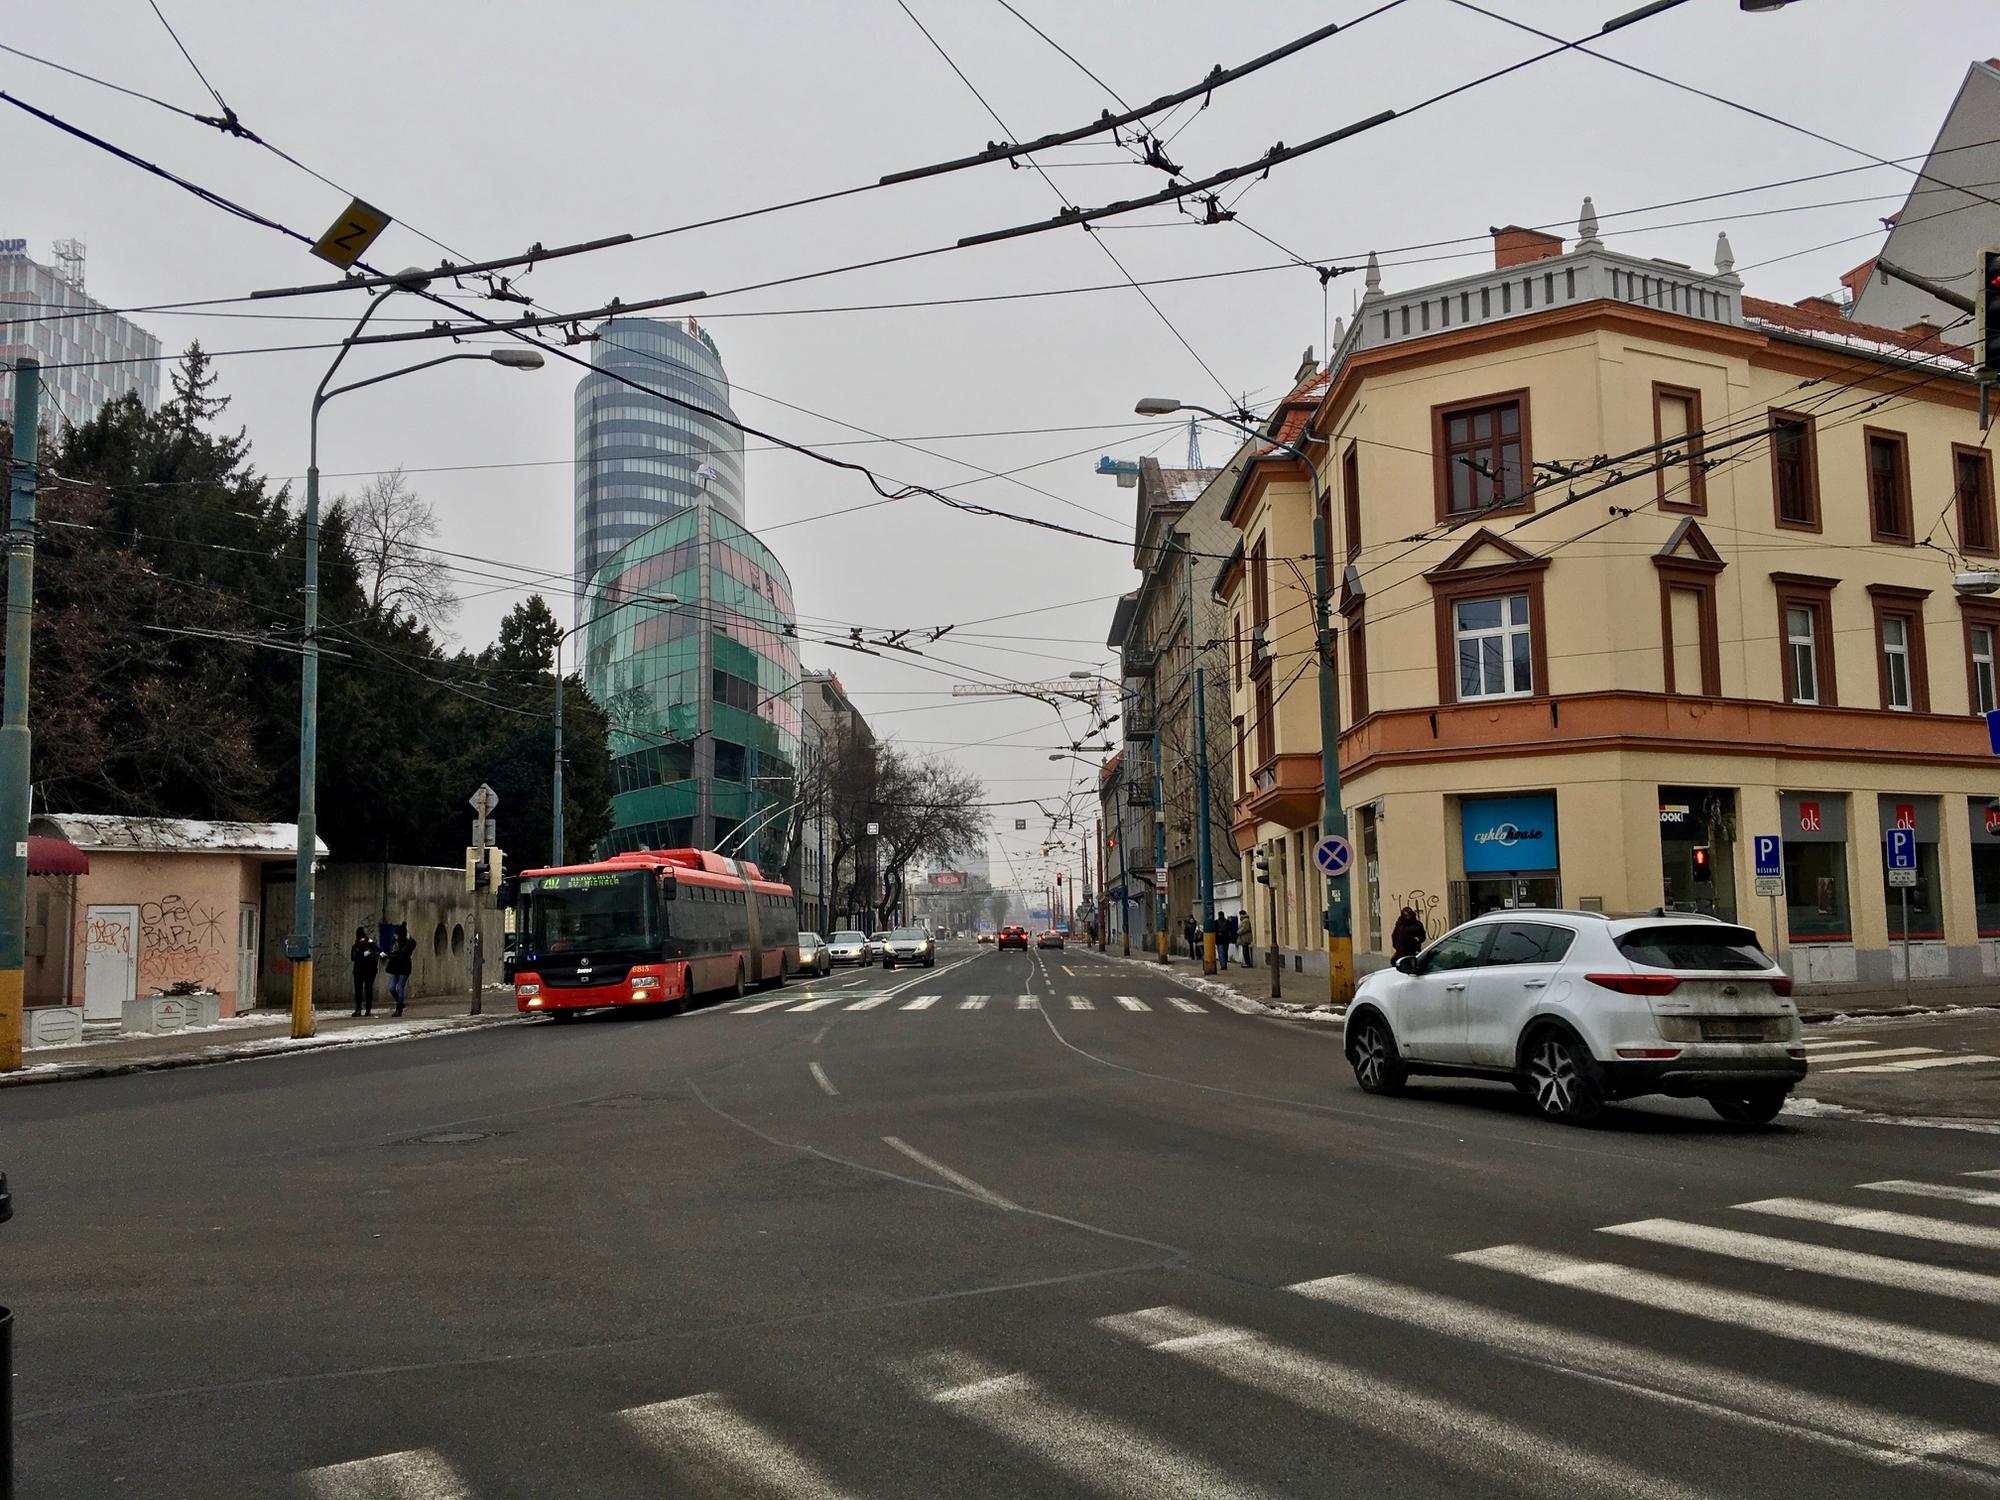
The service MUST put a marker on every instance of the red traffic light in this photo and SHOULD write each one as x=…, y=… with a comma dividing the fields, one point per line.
x=1703, y=869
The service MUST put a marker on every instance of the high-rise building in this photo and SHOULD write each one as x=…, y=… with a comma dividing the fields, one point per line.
x=641, y=457
x=89, y=355
x=703, y=693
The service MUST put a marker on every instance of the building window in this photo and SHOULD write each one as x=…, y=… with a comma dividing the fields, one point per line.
x=1495, y=647
x=1972, y=484
x=1482, y=456
x=1236, y=645
x=1899, y=644
x=1980, y=635
x=1350, y=499
x=1801, y=642
x=1794, y=470
x=1267, y=743
x=1260, y=586
x=1805, y=616
x=1888, y=487
x=1242, y=776
x=1357, y=662
x=1677, y=428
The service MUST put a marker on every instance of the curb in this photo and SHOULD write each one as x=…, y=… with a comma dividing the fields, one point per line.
x=249, y=1051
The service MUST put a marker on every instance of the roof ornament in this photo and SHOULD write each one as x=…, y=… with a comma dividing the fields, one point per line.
x=1725, y=261
x=1373, y=279
x=1339, y=335
x=1586, y=227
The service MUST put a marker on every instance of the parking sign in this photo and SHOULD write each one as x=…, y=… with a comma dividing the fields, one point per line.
x=1768, y=852
x=1902, y=848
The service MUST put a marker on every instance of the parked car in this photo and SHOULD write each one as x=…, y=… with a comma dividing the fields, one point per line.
x=1577, y=1009
x=814, y=956
x=909, y=945
x=1049, y=940
x=1013, y=937
x=849, y=948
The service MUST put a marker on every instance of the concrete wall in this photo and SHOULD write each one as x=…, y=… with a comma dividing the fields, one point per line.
x=431, y=900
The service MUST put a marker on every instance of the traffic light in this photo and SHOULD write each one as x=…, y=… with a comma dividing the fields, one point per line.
x=1704, y=868
x=1263, y=869
x=1986, y=305
x=1058, y=877
x=485, y=868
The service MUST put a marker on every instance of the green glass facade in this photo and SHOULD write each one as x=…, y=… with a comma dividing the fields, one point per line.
x=703, y=696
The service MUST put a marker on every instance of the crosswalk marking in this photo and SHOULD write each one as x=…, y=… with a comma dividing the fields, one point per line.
x=1484, y=1444
x=708, y=1431
x=1133, y=1002
x=871, y=1002
x=922, y=1002
x=1827, y=1041
x=1099, y=1453
x=1081, y=1002
x=816, y=1004
x=416, y=1475
x=1851, y=1333
x=1820, y=1416
x=1880, y=1221
x=1916, y=1063
x=1950, y=1190
x=973, y=1002
x=1025, y=1002
x=1852, y=1057
x=1179, y=1002
x=1795, y=1255
x=1993, y=1172
x=751, y=1010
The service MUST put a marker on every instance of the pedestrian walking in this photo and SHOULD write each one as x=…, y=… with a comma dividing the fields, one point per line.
x=1406, y=938
x=1191, y=930
x=1240, y=929
x=399, y=969
x=1225, y=934
x=364, y=956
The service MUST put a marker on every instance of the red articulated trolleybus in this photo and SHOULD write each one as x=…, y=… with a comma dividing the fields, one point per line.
x=658, y=927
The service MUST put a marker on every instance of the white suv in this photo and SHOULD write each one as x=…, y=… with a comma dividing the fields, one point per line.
x=1576, y=1009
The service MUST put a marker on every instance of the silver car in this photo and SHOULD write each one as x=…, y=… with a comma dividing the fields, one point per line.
x=849, y=948
x=813, y=955
x=909, y=945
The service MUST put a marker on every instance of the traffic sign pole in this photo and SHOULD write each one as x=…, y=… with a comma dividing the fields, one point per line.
x=1768, y=851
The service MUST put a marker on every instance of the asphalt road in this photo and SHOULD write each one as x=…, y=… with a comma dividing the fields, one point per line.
x=953, y=1244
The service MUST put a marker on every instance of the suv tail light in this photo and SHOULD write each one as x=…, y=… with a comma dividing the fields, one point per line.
x=1636, y=984
x=1781, y=984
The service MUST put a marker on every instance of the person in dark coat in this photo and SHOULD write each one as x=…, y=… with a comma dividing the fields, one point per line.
x=1407, y=937
x=1225, y=934
x=398, y=965
x=1191, y=930
x=364, y=956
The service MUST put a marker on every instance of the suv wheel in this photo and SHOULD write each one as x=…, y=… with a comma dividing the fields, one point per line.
x=1752, y=1107
x=1378, y=1068
x=1564, y=1079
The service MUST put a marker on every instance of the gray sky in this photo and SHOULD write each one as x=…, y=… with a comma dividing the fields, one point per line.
x=495, y=125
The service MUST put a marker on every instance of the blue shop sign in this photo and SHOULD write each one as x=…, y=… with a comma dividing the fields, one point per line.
x=1509, y=834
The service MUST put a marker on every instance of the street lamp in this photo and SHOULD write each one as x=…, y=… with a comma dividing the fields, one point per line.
x=1977, y=581
x=1333, y=818
x=663, y=601
x=299, y=946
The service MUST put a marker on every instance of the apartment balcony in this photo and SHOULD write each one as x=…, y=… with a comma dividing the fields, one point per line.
x=1140, y=722
x=1139, y=660
x=1139, y=792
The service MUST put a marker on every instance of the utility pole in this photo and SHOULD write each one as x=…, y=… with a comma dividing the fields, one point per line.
x=1200, y=704
x=1159, y=820
x=1103, y=927
x=16, y=743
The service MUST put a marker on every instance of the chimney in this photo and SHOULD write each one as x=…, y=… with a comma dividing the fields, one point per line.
x=1925, y=329
x=1515, y=246
x=1820, y=304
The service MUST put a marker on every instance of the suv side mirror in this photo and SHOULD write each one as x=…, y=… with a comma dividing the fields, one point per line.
x=1406, y=964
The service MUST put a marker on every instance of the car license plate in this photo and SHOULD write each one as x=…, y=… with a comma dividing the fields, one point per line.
x=1732, y=1031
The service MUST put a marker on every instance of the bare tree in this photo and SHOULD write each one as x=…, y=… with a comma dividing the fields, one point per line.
x=389, y=527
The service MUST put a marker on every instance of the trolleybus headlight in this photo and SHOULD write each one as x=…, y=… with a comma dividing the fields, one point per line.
x=527, y=991
x=645, y=981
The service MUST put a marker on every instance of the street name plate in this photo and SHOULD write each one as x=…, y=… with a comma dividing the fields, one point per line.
x=1770, y=885
x=1903, y=878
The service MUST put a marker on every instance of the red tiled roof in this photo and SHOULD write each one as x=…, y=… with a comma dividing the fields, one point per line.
x=1296, y=410
x=1830, y=323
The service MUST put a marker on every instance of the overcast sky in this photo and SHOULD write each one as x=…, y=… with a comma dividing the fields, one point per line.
x=495, y=125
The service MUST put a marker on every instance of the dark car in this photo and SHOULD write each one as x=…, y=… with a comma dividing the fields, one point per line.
x=1049, y=939
x=1013, y=937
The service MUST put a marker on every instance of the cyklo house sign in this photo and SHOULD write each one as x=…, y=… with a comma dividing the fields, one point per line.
x=1511, y=834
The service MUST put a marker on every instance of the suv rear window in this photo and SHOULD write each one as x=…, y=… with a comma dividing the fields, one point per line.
x=1698, y=945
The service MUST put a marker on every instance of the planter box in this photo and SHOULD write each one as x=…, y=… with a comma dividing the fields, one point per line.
x=203, y=1009
x=158, y=1013
x=55, y=1025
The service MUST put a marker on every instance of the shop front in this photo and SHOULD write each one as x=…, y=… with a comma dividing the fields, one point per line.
x=1698, y=850
x=1983, y=820
x=1509, y=855
x=1819, y=910
x=1915, y=912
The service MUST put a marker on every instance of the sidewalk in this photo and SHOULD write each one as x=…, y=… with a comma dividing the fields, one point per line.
x=259, y=1033
x=1305, y=996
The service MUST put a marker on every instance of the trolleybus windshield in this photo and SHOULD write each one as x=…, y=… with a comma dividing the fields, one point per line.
x=597, y=913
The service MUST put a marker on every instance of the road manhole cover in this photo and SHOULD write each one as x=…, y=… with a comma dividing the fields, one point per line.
x=454, y=1137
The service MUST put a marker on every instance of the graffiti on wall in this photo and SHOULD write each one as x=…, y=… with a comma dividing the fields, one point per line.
x=180, y=940
x=1426, y=906
x=109, y=933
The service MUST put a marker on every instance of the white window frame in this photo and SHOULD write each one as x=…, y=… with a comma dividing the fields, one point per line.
x=1896, y=658
x=1805, y=668
x=1985, y=687
x=1516, y=619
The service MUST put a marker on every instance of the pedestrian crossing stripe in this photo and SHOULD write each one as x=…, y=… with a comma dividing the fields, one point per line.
x=751, y=1010
x=973, y=1002
x=1026, y=1002
x=871, y=1002
x=1133, y=1002
x=817, y=1004
x=1179, y=1002
x=922, y=1002
x=1916, y=1064
x=1081, y=1002
x=1845, y=1058
x=709, y=1441
x=795, y=1005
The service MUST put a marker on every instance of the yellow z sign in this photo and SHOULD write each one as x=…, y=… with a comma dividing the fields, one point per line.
x=351, y=235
